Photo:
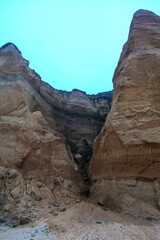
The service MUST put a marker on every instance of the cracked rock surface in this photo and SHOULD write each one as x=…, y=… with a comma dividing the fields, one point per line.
x=128, y=147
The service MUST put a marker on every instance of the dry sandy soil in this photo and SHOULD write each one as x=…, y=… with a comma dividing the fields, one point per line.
x=84, y=221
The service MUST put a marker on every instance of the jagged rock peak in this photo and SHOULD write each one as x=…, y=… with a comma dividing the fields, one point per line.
x=147, y=19
x=11, y=57
x=10, y=47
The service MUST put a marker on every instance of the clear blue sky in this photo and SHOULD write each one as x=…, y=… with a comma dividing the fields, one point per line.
x=71, y=43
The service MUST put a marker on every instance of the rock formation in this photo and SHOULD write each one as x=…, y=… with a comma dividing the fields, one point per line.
x=125, y=167
x=74, y=116
x=78, y=116
x=46, y=134
x=39, y=127
x=33, y=159
x=24, y=131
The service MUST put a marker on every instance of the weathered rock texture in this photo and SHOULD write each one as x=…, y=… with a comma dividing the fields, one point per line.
x=29, y=146
x=79, y=117
x=127, y=152
x=39, y=127
x=26, y=138
x=74, y=116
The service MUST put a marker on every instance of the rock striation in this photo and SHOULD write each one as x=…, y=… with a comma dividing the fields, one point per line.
x=125, y=167
x=78, y=116
x=40, y=128
x=24, y=130
x=29, y=146
x=74, y=116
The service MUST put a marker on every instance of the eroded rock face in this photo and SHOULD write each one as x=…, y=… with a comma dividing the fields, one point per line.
x=39, y=127
x=25, y=134
x=73, y=116
x=30, y=146
x=128, y=146
x=78, y=116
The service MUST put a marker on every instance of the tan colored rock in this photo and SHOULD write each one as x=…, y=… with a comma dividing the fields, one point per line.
x=35, y=122
x=78, y=102
x=12, y=62
x=28, y=144
x=26, y=140
x=73, y=115
x=8, y=207
x=128, y=146
x=30, y=149
x=39, y=184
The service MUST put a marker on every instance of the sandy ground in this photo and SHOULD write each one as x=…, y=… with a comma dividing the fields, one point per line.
x=84, y=221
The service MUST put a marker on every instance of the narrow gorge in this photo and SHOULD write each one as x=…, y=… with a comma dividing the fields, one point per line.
x=45, y=134
x=60, y=148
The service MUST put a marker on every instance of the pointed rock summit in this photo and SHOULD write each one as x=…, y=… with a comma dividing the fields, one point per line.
x=10, y=47
x=144, y=33
x=142, y=12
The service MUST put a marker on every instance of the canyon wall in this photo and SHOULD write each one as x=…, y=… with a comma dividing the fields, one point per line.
x=46, y=135
x=125, y=167
x=34, y=158
x=40, y=130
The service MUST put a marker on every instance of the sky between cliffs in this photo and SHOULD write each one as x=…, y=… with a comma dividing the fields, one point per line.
x=71, y=43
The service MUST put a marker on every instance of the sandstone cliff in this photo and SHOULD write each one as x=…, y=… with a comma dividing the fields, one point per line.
x=126, y=155
x=73, y=116
x=39, y=127
x=23, y=127
x=33, y=159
